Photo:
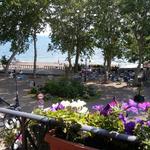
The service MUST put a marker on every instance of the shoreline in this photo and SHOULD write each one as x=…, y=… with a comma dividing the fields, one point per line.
x=41, y=64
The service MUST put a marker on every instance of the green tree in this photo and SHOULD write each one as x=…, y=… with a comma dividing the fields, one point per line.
x=136, y=19
x=107, y=30
x=20, y=20
x=71, y=28
x=34, y=19
x=12, y=28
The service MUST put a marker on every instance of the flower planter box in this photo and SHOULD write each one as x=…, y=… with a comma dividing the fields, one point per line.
x=60, y=144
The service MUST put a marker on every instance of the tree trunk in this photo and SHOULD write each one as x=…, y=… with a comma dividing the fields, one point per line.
x=138, y=69
x=140, y=55
x=69, y=61
x=35, y=54
x=107, y=58
x=109, y=64
x=9, y=61
x=77, y=59
x=105, y=70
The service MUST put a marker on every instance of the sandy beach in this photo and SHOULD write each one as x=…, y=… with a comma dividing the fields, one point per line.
x=40, y=64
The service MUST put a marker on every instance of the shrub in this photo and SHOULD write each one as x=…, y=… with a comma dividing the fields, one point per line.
x=34, y=90
x=64, y=88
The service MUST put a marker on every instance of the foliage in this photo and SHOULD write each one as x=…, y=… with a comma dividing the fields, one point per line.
x=19, y=20
x=77, y=27
x=68, y=115
x=112, y=117
x=8, y=136
x=70, y=24
x=34, y=90
x=64, y=88
x=143, y=132
x=4, y=61
x=136, y=20
x=107, y=25
x=134, y=126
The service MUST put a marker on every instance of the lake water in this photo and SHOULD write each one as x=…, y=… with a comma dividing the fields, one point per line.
x=45, y=56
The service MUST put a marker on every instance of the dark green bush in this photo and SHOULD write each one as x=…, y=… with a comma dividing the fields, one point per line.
x=34, y=90
x=64, y=88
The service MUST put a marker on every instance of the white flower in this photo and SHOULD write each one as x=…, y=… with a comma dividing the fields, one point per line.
x=47, y=109
x=17, y=144
x=81, y=103
x=55, y=105
x=77, y=105
x=74, y=104
x=65, y=103
x=84, y=110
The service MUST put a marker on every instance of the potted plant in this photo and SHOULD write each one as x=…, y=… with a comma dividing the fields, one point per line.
x=126, y=118
x=69, y=116
x=56, y=143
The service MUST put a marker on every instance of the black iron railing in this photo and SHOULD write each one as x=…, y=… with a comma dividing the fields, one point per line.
x=24, y=119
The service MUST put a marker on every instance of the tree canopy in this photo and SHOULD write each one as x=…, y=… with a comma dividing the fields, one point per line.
x=116, y=27
x=70, y=26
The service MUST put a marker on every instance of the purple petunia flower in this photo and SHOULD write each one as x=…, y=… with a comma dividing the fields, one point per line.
x=107, y=109
x=142, y=106
x=57, y=106
x=124, y=106
x=123, y=118
x=140, y=121
x=148, y=104
x=98, y=107
x=132, y=103
x=130, y=106
x=148, y=123
x=133, y=110
x=113, y=103
x=129, y=127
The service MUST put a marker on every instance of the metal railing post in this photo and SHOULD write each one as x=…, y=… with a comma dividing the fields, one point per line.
x=23, y=130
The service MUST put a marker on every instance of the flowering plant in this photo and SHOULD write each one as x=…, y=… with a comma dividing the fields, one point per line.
x=127, y=117
x=135, y=118
x=69, y=116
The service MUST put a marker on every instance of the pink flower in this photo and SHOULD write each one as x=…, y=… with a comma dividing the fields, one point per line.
x=133, y=110
x=98, y=107
x=124, y=106
x=132, y=103
x=148, y=123
x=144, y=106
x=113, y=103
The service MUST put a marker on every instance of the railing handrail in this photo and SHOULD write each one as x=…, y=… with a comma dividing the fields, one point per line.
x=95, y=130
x=112, y=134
x=25, y=115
